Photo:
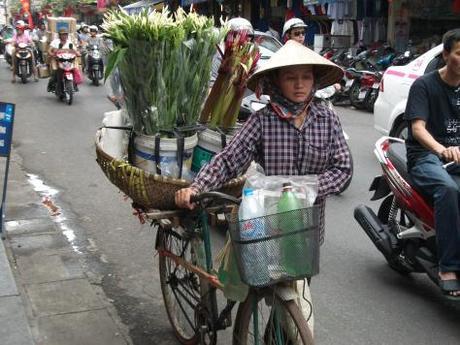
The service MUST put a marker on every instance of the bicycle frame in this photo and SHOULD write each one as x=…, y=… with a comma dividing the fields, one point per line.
x=195, y=226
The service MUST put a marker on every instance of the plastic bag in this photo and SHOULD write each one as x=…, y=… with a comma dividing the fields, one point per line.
x=268, y=188
x=234, y=289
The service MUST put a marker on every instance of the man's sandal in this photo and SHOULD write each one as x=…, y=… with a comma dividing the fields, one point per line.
x=448, y=286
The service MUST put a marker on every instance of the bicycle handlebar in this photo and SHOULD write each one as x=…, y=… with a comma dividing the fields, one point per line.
x=214, y=196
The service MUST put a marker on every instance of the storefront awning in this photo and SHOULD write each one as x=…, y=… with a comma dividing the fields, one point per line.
x=140, y=5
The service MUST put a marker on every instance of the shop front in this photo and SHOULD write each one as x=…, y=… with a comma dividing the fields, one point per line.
x=336, y=23
x=421, y=23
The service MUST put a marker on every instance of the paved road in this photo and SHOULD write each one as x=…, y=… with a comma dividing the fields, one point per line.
x=357, y=298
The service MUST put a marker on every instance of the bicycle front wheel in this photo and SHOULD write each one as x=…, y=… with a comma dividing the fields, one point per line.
x=180, y=287
x=271, y=322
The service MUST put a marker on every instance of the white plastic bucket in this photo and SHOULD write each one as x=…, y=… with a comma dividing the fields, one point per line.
x=209, y=143
x=114, y=141
x=144, y=157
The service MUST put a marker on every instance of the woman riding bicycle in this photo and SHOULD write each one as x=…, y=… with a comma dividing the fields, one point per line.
x=293, y=135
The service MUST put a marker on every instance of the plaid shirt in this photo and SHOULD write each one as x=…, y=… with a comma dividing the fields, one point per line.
x=318, y=147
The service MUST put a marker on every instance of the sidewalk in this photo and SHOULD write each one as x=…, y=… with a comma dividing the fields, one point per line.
x=45, y=296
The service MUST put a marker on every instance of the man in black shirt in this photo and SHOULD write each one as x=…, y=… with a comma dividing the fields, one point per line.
x=433, y=110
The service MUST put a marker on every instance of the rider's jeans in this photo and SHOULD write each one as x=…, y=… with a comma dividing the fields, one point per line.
x=443, y=188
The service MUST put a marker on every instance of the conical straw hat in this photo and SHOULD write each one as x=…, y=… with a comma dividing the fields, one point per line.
x=296, y=54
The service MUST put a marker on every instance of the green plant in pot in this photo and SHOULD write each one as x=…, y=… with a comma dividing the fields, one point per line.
x=164, y=61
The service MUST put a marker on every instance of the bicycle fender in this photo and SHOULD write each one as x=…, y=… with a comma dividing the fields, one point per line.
x=286, y=293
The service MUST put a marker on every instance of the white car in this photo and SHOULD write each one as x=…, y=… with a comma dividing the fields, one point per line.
x=394, y=90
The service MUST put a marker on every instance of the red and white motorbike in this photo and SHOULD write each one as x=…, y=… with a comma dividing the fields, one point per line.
x=403, y=229
x=66, y=84
x=24, y=62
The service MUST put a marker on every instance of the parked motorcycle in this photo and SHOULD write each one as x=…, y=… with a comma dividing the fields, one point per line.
x=364, y=91
x=6, y=33
x=24, y=62
x=9, y=48
x=403, y=228
x=343, y=95
x=66, y=86
x=95, y=66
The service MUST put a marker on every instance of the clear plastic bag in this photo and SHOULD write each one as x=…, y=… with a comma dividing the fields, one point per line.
x=269, y=188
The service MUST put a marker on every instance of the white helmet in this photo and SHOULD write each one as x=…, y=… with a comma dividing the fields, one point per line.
x=93, y=28
x=293, y=23
x=238, y=23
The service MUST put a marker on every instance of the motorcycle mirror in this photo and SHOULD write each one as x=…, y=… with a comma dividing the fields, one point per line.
x=255, y=106
x=264, y=99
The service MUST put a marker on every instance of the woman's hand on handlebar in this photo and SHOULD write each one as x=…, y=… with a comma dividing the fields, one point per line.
x=182, y=198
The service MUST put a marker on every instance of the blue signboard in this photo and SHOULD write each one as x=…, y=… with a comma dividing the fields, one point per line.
x=6, y=128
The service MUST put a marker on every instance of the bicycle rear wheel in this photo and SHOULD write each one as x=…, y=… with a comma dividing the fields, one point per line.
x=278, y=323
x=180, y=287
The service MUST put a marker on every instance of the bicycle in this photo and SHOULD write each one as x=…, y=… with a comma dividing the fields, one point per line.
x=269, y=315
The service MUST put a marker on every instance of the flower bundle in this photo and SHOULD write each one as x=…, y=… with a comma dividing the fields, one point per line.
x=239, y=60
x=164, y=60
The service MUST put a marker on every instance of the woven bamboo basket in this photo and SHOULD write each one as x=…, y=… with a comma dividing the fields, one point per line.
x=148, y=190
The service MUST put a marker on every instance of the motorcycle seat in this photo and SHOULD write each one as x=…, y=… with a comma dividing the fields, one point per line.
x=397, y=156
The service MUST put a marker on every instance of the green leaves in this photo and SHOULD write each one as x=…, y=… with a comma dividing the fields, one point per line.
x=113, y=60
x=164, y=61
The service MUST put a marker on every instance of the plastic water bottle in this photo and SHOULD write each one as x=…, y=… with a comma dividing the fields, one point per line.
x=293, y=255
x=252, y=227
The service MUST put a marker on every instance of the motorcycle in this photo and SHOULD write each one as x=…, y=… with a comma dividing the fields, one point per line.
x=403, y=229
x=24, y=61
x=66, y=86
x=365, y=89
x=41, y=50
x=343, y=95
x=9, y=49
x=6, y=33
x=95, y=66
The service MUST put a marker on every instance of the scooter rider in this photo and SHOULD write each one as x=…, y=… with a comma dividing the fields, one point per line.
x=93, y=40
x=63, y=42
x=21, y=36
x=38, y=34
x=83, y=37
x=433, y=110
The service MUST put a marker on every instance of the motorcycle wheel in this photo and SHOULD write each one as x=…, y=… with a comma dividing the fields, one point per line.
x=355, y=89
x=68, y=90
x=370, y=100
x=398, y=263
x=95, y=79
x=23, y=70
